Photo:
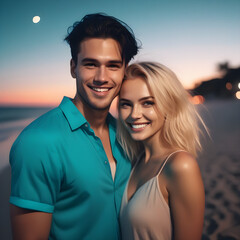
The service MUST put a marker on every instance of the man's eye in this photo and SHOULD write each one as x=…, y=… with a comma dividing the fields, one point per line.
x=90, y=65
x=113, y=66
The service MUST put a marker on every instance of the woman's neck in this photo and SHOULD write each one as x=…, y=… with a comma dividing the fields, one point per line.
x=156, y=149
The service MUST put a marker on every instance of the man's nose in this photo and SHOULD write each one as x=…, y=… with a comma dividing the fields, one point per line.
x=101, y=75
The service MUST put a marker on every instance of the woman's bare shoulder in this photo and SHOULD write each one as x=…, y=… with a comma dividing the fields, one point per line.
x=181, y=164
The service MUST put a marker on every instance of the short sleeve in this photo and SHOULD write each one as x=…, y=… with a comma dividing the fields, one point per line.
x=36, y=172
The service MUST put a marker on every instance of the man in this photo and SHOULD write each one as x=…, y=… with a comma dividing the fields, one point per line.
x=68, y=171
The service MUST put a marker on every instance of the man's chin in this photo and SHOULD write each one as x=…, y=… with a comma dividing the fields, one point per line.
x=96, y=104
x=99, y=107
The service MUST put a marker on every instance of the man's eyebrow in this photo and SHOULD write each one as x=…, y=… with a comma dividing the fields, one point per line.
x=96, y=61
x=89, y=60
x=116, y=61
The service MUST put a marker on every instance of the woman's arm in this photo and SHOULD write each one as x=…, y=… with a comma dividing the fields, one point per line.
x=186, y=198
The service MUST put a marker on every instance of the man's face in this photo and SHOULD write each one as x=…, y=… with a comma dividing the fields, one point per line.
x=99, y=72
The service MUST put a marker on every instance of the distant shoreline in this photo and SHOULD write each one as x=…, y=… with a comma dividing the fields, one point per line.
x=19, y=113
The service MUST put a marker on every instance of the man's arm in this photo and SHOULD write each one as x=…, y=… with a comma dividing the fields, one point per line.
x=29, y=225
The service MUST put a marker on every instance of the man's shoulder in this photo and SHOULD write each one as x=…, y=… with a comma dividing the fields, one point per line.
x=48, y=121
x=39, y=141
x=42, y=130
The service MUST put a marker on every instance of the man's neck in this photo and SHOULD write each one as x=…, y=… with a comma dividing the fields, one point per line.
x=96, y=118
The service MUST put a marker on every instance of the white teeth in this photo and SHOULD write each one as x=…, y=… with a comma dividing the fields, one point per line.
x=138, y=125
x=100, y=89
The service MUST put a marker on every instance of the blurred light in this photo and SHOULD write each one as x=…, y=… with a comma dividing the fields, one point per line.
x=228, y=86
x=198, y=99
x=238, y=94
x=36, y=19
x=239, y=85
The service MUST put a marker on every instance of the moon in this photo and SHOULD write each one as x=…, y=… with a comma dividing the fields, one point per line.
x=36, y=19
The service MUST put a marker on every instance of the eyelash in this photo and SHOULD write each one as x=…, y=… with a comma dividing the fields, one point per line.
x=113, y=66
x=148, y=103
x=124, y=104
x=145, y=104
x=90, y=65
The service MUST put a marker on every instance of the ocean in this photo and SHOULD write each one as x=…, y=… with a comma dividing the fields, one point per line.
x=16, y=118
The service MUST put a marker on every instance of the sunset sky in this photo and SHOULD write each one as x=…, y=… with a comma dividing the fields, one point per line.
x=189, y=36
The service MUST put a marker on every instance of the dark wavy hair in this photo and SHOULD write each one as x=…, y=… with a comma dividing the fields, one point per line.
x=100, y=25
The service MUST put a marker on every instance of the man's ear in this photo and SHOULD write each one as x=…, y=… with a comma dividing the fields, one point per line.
x=125, y=70
x=73, y=68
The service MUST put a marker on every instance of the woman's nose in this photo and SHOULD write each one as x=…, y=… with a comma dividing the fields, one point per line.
x=136, y=112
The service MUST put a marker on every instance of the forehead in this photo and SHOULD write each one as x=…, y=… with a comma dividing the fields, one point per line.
x=135, y=88
x=100, y=48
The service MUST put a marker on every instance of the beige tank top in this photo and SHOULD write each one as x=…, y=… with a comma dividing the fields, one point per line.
x=146, y=216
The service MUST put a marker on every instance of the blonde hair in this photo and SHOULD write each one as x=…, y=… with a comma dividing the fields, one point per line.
x=180, y=129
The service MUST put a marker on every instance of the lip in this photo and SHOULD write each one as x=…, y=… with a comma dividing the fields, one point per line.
x=100, y=91
x=138, y=127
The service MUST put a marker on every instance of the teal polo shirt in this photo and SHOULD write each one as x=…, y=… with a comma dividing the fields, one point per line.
x=59, y=166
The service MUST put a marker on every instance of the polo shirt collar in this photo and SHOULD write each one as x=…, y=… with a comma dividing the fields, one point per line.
x=72, y=114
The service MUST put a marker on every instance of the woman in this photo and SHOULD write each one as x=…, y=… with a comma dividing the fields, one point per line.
x=158, y=129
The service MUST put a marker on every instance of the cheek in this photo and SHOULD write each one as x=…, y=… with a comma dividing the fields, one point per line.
x=85, y=74
x=118, y=77
x=124, y=114
x=151, y=113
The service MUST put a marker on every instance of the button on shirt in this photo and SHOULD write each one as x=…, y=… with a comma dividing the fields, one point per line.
x=59, y=166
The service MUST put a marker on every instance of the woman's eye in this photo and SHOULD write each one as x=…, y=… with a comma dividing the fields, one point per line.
x=148, y=103
x=124, y=105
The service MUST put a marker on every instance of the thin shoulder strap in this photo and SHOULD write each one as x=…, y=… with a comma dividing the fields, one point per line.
x=165, y=161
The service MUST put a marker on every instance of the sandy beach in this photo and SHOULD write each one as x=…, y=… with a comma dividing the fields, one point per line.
x=220, y=167
x=219, y=163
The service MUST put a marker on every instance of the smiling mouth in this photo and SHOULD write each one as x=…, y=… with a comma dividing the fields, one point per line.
x=100, y=90
x=138, y=126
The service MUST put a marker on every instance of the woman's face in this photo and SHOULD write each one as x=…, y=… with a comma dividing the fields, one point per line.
x=138, y=111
